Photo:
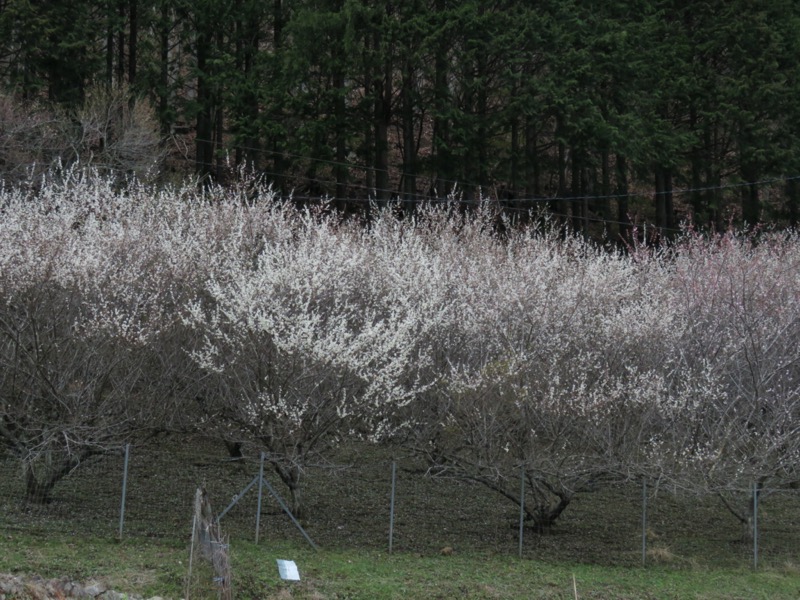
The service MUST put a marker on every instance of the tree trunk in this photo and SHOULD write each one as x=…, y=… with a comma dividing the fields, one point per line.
x=382, y=97
x=441, y=124
x=604, y=203
x=204, y=146
x=121, y=43
x=110, y=47
x=793, y=201
x=532, y=175
x=409, y=139
x=290, y=476
x=559, y=207
x=751, y=201
x=163, y=75
x=665, y=211
x=340, y=168
x=622, y=198
x=744, y=517
x=133, y=35
x=541, y=513
x=545, y=514
x=39, y=485
x=234, y=448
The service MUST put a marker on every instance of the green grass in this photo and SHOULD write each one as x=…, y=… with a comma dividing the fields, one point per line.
x=158, y=567
x=695, y=548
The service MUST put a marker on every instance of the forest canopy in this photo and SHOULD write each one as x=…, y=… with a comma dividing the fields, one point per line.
x=602, y=113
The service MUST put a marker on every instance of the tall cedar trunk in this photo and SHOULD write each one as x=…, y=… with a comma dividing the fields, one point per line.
x=121, y=42
x=441, y=123
x=578, y=194
x=278, y=162
x=239, y=66
x=340, y=168
x=204, y=153
x=246, y=48
x=468, y=169
x=560, y=207
x=163, y=91
x=622, y=198
x=382, y=97
x=532, y=185
x=368, y=147
x=713, y=178
x=409, y=140
x=751, y=200
x=699, y=210
x=793, y=201
x=513, y=183
x=669, y=201
x=665, y=212
x=110, y=47
x=604, y=203
x=218, y=111
x=483, y=129
x=133, y=38
x=219, y=127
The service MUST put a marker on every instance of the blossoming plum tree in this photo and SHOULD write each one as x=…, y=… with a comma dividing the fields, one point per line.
x=489, y=351
x=322, y=335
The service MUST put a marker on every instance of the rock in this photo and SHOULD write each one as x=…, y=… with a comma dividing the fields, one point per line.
x=13, y=587
x=10, y=585
x=95, y=588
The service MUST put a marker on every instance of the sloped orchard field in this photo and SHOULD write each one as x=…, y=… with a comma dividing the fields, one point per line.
x=507, y=372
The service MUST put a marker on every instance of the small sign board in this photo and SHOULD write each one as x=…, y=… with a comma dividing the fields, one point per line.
x=288, y=570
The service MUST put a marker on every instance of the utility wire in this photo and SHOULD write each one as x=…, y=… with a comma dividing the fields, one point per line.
x=456, y=183
x=415, y=197
x=400, y=197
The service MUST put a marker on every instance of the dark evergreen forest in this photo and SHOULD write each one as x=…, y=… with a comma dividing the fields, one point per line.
x=605, y=113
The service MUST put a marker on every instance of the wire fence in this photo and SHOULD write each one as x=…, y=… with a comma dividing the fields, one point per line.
x=370, y=499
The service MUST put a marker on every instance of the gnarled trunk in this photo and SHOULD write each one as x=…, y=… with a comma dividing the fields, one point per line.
x=290, y=476
x=40, y=481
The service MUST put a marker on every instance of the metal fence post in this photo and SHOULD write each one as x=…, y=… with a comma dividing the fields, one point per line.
x=521, y=506
x=260, y=488
x=755, y=525
x=124, y=490
x=391, y=507
x=644, y=520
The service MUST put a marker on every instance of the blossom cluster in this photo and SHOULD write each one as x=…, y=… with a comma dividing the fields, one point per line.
x=482, y=346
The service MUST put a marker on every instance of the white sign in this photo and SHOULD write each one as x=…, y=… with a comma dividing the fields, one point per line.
x=288, y=570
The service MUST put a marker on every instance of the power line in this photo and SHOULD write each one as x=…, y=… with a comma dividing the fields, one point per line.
x=416, y=197
x=456, y=183
x=508, y=204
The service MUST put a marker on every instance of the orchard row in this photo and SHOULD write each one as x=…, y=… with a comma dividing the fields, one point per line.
x=482, y=349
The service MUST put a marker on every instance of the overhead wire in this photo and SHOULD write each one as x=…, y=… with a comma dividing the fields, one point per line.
x=455, y=194
x=456, y=183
